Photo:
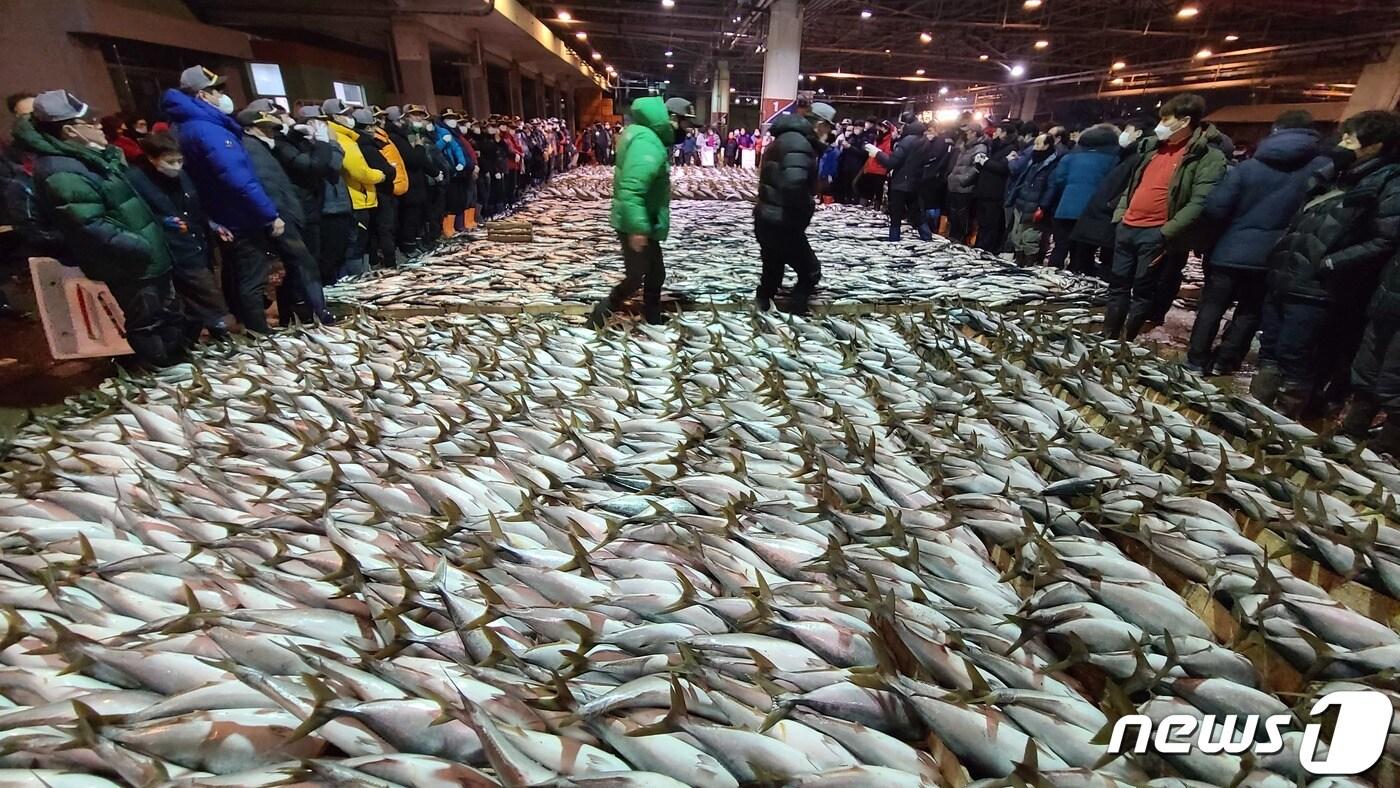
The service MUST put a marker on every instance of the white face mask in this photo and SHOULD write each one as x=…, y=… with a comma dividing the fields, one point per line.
x=1164, y=132
x=322, y=131
x=1125, y=138
x=225, y=104
x=169, y=170
x=349, y=123
x=451, y=124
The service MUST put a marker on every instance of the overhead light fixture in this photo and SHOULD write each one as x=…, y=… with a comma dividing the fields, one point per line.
x=865, y=14
x=597, y=55
x=1018, y=70
x=1230, y=39
x=925, y=38
x=1031, y=5
x=733, y=90
x=821, y=90
x=736, y=19
x=580, y=35
x=668, y=3
x=1118, y=65
x=565, y=16
x=918, y=72
x=1204, y=53
x=1041, y=44
x=1187, y=12
x=984, y=57
x=943, y=91
x=812, y=78
x=1117, y=80
x=668, y=53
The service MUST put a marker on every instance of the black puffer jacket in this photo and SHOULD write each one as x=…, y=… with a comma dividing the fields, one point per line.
x=996, y=172
x=1346, y=231
x=274, y=180
x=310, y=165
x=174, y=197
x=906, y=162
x=787, y=177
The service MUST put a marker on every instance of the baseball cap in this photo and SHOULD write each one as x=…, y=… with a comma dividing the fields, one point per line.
x=363, y=117
x=334, y=106
x=57, y=106
x=824, y=111
x=309, y=112
x=450, y=113
x=415, y=109
x=393, y=113
x=250, y=116
x=680, y=106
x=263, y=105
x=197, y=78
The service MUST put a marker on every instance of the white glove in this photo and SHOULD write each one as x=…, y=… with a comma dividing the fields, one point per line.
x=979, y=159
x=461, y=167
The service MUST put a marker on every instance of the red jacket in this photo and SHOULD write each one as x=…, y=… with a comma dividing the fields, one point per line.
x=872, y=165
x=514, y=162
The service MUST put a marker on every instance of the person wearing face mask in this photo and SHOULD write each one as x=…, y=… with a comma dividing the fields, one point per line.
x=328, y=201
x=1076, y=180
x=515, y=161
x=310, y=163
x=1324, y=271
x=216, y=160
x=1160, y=212
x=360, y=179
x=1095, y=227
x=1252, y=208
x=787, y=184
x=448, y=143
x=906, y=166
x=641, y=203
x=465, y=180
x=405, y=128
x=383, y=235
x=1029, y=191
x=491, y=158
x=160, y=178
x=108, y=230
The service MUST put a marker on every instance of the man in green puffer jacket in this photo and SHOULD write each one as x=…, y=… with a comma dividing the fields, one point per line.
x=641, y=203
x=110, y=233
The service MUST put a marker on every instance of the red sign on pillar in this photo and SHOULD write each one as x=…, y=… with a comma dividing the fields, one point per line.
x=772, y=108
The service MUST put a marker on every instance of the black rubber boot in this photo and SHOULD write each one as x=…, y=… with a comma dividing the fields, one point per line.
x=1293, y=402
x=1358, y=416
x=1266, y=384
x=600, y=314
x=1388, y=442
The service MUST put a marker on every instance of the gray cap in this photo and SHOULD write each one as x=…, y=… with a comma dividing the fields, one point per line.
x=264, y=105
x=680, y=107
x=393, y=113
x=334, y=106
x=251, y=116
x=58, y=106
x=363, y=117
x=309, y=111
x=197, y=78
x=824, y=111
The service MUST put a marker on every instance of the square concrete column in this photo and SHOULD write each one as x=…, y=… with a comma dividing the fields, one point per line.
x=476, y=99
x=1030, y=102
x=414, y=65
x=517, y=98
x=571, y=108
x=1378, y=86
x=540, y=102
x=782, y=62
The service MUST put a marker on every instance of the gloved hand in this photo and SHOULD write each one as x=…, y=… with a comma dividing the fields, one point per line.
x=176, y=223
x=1038, y=216
x=979, y=159
x=461, y=167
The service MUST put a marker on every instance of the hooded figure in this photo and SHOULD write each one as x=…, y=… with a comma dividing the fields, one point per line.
x=1077, y=178
x=787, y=183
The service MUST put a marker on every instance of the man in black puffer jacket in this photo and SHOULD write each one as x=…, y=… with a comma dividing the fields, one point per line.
x=1324, y=269
x=787, y=182
x=906, y=165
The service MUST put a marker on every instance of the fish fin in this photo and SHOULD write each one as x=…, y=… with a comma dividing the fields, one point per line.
x=1078, y=655
x=687, y=593
x=586, y=636
x=673, y=717
x=15, y=627
x=580, y=560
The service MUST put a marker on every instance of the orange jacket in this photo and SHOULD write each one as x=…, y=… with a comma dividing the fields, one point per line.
x=394, y=157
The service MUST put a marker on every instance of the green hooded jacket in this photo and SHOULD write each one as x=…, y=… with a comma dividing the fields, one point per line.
x=641, y=203
x=1200, y=171
x=109, y=231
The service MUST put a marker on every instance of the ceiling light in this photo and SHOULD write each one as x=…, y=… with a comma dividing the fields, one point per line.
x=597, y=55
x=1204, y=53
x=733, y=90
x=866, y=14
x=1187, y=11
x=943, y=91
x=1018, y=70
x=1118, y=65
x=812, y=78
x=668, y=3
x=736, y=19
x=925, y=38
x=1031, y=5
x=918, y=72
x=580, y=35
x=1041, y=44
x=983, y=57
x=821, y=90
x=1231, y=38
x=565, y=16
x=1117, y=80
x=858, y=87
x=668, y=53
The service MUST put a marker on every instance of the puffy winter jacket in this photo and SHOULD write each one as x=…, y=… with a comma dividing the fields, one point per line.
x=446, y=142
x=359, y=177
x=641, y=203
x=212, y=144
x=274, y=180
x=1032, y=185
x=872, y=166
x=995, y=176
x=787, y=176
x=394, y=156
x=1200, y=171
x=418, y=164
x=1255, y=203
x=175, y=197
x=962, y=178
x=1081, y=171
x=1337, y=243
x=311, y=165
x=1096, y=225
x=906, y=162
x=108, y=229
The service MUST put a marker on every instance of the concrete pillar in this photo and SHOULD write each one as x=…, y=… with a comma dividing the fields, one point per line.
x=702, y=109
x=783, y=60
x=540, y=102
x=476, y=99
x=1030, y=101
x=517, y=98
x=571, y=108
x=414, y=65
x=719, y=104
x=1378, y=87
x=551, y=101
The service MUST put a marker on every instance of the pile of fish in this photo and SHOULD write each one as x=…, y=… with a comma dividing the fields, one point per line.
x=711, y=257
x=593, y=182
x=906, y=550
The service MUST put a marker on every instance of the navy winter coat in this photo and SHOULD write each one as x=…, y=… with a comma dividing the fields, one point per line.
x=212, y=143
x=1032, y=185
x=1255, y=203
x=1081, y=171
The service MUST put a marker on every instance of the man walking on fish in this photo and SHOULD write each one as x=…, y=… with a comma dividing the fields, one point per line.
x=641, y=203
x=787, y=181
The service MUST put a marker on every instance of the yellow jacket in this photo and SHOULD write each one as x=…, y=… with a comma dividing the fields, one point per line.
x=359, y=178
x=392, y=154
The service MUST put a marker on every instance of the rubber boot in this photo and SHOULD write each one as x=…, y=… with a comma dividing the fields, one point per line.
x=651, y=312
x=1292, y=402
x=1266, y=384
x=471, y=218
x=1388, y=442
x=448, y=228
x=600, y=314
x=1360, y=412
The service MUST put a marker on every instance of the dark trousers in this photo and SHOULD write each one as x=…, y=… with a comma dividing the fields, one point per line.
x=245, y=279
x=905, y=206
x=1295, y=338
x=1081, y=259
x=991, y=225
x=1060, y=231
x=152, y=319
x=302, y=284
x=1376, y=371
x=383, y=231
x=199, y=289
x=412, y=222
x=1132, y=287
x=780, y=247
x=959, y=216
x=1245, y=289
x=1168, y=284
x=643, y=271
x=335, y=241
x=436, y=208
x=356, y=254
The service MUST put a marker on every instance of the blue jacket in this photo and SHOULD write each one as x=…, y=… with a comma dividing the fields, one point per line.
x=447, y=143
x=1081, y=171
x=1258, y=199
x=212, y=143
x=1031, y=186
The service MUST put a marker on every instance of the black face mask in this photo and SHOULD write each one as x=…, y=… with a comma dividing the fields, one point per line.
x=1343, y=158
x=1040, y=155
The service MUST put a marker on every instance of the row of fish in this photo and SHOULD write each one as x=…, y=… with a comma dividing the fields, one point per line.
x=711, y=257
x=595, y=182
x=739, y=549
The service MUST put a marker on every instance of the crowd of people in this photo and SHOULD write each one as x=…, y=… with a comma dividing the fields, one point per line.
x=711, y=146
x=329, y=189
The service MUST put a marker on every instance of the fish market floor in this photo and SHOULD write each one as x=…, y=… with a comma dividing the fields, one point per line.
x=890, y=551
